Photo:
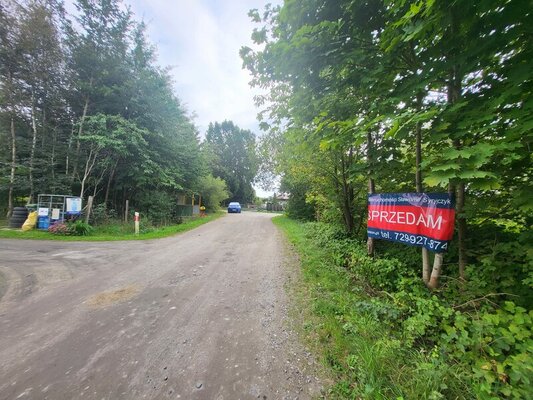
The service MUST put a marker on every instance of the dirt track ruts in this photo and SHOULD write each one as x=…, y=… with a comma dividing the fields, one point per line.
x=202, y=315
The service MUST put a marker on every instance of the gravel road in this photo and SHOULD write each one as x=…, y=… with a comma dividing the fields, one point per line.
x=201, y=315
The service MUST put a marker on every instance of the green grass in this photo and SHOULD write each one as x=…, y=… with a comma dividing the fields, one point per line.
x=112, y=232
x=365, y=357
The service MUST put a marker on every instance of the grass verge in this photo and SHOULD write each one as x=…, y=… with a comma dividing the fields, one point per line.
x=342, y=325
x=113, y=232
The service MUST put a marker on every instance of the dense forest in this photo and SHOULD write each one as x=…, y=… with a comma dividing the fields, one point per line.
x=401, y=96
x=86, y=110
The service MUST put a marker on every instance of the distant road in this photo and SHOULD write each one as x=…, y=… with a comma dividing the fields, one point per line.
x=202, y=315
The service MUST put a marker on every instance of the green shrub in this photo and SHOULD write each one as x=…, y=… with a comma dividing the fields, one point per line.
x=102, y=215
x=385, y=335
x=159, y=207
x=80, y=228
x=213, y=190
x=497, y=348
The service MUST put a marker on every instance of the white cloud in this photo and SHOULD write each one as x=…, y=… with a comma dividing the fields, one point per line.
x=201, y=41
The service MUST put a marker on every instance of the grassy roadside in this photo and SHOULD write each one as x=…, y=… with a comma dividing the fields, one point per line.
x=342, y=325
x=113, y=232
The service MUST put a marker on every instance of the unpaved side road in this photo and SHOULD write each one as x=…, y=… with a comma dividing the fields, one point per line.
x=202, y=315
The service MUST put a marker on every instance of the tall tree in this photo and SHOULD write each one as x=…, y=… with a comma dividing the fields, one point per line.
x=362, y=76
x=41, y=70
x=233, y=158
x=86, y=100
x=97, y=61
x=10, y=92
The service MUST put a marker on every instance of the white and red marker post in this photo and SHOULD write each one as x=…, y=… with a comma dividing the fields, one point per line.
x=137, y=219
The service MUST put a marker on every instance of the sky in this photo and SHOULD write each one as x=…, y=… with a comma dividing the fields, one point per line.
x=200, y=40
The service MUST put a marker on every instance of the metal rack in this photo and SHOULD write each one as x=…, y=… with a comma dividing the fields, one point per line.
x=56, y=205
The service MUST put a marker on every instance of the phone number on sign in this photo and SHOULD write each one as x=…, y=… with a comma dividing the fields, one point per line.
x=432, y=244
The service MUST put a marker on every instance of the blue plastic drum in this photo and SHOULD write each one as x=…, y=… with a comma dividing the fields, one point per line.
x=43, y=223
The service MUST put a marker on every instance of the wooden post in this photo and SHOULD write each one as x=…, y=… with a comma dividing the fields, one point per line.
x=89, y=208
x=126, y=211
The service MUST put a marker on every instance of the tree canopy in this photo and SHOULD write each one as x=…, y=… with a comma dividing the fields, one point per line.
x=403, y=96
x=85, y=109
x=232, y=156
x=356, y=89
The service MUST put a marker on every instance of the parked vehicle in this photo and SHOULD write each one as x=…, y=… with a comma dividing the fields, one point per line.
x=234, y=207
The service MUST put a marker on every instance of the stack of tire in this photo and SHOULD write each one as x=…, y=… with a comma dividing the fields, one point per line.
x=19, y=216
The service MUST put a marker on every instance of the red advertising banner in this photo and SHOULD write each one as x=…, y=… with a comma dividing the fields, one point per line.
x=417, y=219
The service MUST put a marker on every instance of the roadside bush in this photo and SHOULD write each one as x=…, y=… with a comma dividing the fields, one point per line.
x=497, y=347
x=80, y=228
x=299, y=206
x=385, y=335
x=158, y=206
x=101, y=214
x=213, y=190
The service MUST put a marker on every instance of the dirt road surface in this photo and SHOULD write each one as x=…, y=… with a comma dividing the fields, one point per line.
x=202, y=315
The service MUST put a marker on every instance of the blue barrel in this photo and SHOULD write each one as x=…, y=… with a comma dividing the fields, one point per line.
x=43, y=223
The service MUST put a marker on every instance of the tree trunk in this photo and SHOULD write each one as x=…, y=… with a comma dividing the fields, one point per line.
x=110, y=179
x=461, y=228
x=370, y=240
x=454, y=94
x=433, y=282
x=97, y=181
x=89, y=165
x=33, y=146
x=43, y=129
x=67, y=158
x=347, y=194
x=53, y=155
x=13, y=169
x=439, y=258
x=371, y=188
x=420, y=189
x=80, y=132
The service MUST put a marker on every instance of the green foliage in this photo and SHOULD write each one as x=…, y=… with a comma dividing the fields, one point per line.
x=385, y=336
x=497, y=347
x=298, y=206
x=213, y=191
x=92, y=112
x=232, y=156
x=101, y=214
x=80, y=228
x=158, y=207
x=352, y=84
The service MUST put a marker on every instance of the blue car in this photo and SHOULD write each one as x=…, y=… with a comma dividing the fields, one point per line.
x=234, y=207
